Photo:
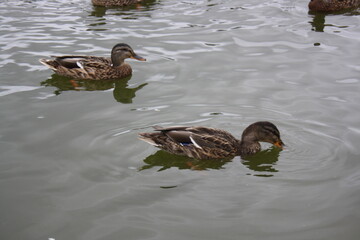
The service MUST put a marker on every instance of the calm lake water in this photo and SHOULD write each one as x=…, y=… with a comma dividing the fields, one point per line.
x=72, y=167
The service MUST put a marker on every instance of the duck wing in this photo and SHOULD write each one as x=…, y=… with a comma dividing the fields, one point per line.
x=85, y=67
x=200, y=137
x=73, y=61
x=195, y=142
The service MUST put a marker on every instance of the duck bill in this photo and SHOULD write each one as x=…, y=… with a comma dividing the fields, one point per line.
x=137, y=57
x=279, y=144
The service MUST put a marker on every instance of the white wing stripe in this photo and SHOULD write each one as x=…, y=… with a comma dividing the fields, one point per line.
x=193, y=141
x=79, y=64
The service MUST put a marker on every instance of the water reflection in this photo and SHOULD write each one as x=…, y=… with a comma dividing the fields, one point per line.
x=166, y=160
x=263, y=162
x=122, y=93
x=318, y=23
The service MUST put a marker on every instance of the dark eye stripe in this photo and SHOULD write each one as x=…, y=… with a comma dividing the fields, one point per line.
x=273, y=130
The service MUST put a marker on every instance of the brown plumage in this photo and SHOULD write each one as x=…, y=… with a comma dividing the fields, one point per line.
x=333, y=5
x=108, y=3
x=91, y=67
x=212, y=143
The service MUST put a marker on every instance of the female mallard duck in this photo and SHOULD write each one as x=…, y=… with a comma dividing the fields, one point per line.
x=97, y=68
x=108, y=3
x=332, y=5
x=212, y=143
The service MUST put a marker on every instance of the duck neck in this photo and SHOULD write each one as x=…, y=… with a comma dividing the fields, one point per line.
x=249, y=147
x=116, y=61
x=249, y=143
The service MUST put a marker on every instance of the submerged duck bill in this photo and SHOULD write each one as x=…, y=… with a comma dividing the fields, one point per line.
x=279, y=144
x=137, y=57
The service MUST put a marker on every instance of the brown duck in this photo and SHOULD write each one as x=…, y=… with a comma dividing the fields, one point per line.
x=212, y=143
x=333, y=5
x=91, y=67
x=108, y=3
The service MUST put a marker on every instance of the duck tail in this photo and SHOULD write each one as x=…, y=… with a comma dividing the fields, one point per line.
x=147, y=137
x=49, y=63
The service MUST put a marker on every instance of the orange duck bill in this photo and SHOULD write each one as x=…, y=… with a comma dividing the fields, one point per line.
x=279, y=144
x=139, y=58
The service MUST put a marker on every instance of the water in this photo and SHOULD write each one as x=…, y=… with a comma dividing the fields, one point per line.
x=71, y=164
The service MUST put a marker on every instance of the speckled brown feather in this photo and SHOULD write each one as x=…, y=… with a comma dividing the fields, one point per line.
x=92, y=67
x=96, y=68
x=332, y=5
x=108, y=3
x=216, y=144
x=211, y=143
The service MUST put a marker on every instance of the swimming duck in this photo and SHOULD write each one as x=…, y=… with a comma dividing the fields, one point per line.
x=91, y=67
x=212, y=143
x=332, y=5
x=108, y=3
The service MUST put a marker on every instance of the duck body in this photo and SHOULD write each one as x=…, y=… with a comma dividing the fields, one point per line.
x=212, y=143
x=109, y=3
x=332, y=5
x=92, y=67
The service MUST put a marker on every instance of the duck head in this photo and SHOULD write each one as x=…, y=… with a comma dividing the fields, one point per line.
x=121, y=51
x=262, y=132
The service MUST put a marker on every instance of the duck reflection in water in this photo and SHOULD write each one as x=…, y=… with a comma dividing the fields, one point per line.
x=166, y=160
x=318, y=22
x=262, y=163
x=122, y=93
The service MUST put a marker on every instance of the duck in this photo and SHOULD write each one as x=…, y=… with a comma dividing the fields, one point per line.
x=332, y=5
x=211, y=143
x=92, y=67
x=108, y=3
